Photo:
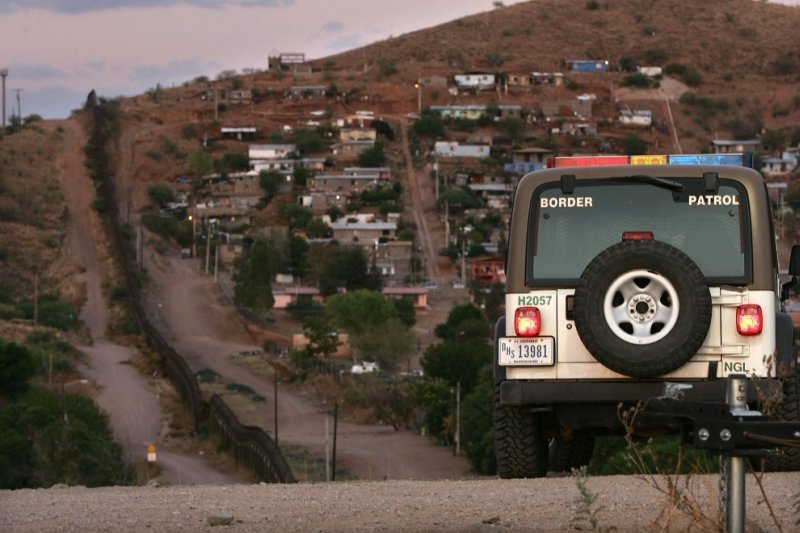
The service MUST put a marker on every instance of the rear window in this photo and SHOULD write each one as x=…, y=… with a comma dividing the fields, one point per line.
x=569, y=230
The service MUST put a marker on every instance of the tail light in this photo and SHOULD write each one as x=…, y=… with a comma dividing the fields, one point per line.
x=749, y=319
x=527, y=321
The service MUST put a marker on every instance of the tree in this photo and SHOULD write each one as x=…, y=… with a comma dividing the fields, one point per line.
x=405, y=310
x=389, y=402
x=16, y=368
x=513, y=127
x=387, y=344
x=269, y=181
x=633, y=144
x=321, y=334
x=254, y=272
x=457, y=361
x=233, y=162
x=464, y=322
x=477, y=431
x=384, y=129
x=360, y=311
x=375, y=156
x=200, y=163
x=429, y=125
x=160, y=194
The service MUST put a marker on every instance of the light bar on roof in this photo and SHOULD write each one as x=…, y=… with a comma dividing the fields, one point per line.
x=590, y=161
x=738, y=160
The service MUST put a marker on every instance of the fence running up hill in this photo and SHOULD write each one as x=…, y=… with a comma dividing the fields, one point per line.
x=252, y=448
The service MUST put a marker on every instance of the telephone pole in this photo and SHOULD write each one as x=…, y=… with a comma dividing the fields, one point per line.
x=19, y=106
x=4, y=74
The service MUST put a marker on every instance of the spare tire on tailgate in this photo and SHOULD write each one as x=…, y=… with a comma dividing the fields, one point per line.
x=642, y=308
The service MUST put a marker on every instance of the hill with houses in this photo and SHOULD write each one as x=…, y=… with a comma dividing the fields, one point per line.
x=325, y=148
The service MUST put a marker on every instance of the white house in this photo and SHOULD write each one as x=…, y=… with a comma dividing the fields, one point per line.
x=454, y=149
x=649, y=71
x=270, y=151
x=477, y=81
x=636, y=117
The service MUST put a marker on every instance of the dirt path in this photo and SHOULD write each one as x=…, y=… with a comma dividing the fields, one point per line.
x=130, y=399
x=195, y=317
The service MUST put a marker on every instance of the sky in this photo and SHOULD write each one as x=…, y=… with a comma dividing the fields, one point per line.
x=56, y=51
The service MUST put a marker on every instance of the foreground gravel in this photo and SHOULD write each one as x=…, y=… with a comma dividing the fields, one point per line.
x=484, y=505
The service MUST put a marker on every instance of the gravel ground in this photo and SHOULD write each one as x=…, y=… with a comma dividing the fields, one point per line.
x=625, y=503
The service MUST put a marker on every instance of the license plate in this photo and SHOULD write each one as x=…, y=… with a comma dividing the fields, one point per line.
x=526, y=351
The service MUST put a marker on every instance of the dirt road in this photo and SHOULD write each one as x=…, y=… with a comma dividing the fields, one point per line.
x=129, y=398
x=623, y=504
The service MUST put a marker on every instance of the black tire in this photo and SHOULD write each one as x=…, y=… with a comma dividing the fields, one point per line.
x=788, y=410
x=520, y=444
x=642, y=308
x=568, y=453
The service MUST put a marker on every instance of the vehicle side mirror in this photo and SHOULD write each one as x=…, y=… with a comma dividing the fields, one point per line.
x=794, y=271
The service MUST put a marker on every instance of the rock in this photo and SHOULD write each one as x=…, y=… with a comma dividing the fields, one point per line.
x=219, y=520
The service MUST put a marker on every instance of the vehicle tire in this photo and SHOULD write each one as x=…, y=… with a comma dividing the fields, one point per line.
x=642, y=308
x=520, y=444
x=568, y=453
x=788, y=410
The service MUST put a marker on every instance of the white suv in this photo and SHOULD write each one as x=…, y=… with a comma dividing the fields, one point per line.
x=624, y=274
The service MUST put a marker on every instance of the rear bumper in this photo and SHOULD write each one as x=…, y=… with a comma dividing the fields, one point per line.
x=554, y=393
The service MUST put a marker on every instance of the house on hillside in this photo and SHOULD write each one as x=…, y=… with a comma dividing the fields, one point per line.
x=343, y=183
x=372, y=231
x=382, y=173
x=321, y=201
x=352, y=148
x=488, y=270
x=358, y=134
x=526, y=160
x=238, y=133
x=721, y=146
x=393, y=260
x=454, y=149
x=417, y=295
x=587, y=65
x=270, y=151
x=636, y=117
x=230, y=96
x=567, y=108
x=547, y=78
x=495, y=195
x=476, y=81
x=307, y=91
x=433, y=81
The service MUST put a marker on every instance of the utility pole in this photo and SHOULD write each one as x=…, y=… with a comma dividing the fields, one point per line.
x=19, y=106
x=4, y=74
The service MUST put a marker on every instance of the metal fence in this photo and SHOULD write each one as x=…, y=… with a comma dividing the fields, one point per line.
x=252, y=447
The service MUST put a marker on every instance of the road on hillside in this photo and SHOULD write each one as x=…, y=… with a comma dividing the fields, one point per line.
x=191, y=312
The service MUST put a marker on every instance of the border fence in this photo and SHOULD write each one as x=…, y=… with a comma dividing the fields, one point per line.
x=251, y=447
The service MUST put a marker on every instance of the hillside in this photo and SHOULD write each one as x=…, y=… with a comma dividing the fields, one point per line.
x=744, y=51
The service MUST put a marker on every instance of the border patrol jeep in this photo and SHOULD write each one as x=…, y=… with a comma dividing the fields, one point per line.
x=626, y=275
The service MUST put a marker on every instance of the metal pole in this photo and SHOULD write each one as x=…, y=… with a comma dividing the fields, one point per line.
x=335, y=430
x=736, y=398
x=458, y=418
x=275, y=410
x=4, y=73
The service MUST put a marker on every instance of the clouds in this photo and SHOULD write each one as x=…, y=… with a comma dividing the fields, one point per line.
x=87, y=6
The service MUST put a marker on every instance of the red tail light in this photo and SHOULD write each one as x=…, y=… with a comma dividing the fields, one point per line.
x=637, y=236
x=749, y=319
x=527, y=321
